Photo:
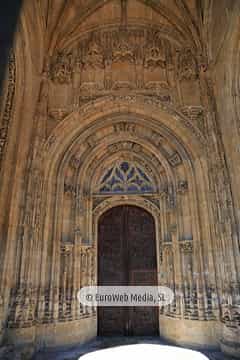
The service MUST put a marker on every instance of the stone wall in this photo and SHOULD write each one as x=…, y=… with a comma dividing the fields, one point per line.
x=92, y=85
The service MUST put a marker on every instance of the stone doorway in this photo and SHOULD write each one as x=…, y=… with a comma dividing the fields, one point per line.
x=127, y=256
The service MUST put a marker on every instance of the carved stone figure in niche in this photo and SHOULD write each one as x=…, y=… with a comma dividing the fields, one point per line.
x=182, y=186
x=155, y=64
x=93, y=68
x=69, y=188
x=123, y=66
x=112, y=60
x=61, y=70
x=187, y=66
x=75, y=162
x=186, y=247
x=154, y=58
x=94, y=57
x=123, y=51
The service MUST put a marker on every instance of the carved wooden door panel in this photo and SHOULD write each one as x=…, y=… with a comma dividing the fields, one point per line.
x=111, y=320
x=127, y=256
x=142, y=268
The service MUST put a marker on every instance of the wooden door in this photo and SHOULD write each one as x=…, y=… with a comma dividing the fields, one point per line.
x=127, y=256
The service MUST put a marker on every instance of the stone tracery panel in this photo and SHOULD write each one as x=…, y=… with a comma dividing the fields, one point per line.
x=125, y=177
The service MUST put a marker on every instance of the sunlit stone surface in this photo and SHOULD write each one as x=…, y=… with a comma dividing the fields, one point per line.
x=141, y=351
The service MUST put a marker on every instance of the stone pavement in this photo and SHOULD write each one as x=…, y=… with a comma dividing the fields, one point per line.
x=74, y=353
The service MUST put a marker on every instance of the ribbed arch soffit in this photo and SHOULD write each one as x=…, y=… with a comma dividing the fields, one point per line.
x=61, y=20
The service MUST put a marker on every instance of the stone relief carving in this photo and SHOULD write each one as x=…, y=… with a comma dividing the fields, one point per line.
x=94, y=57
x=182, y=187
x=155, y=101
x=187, y=65
x=154, y=58
x=58, y=114
x=75, y=162
x=61, y=68
x=186, y=246
x=196, y=115
x=69, y=188
x=123, y=50
x=90, y=68
x=175, y=160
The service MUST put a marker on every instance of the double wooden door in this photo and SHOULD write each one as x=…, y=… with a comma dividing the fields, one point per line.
x=127, y=256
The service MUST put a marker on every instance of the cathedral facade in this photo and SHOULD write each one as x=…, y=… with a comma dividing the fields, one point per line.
x=120, y=120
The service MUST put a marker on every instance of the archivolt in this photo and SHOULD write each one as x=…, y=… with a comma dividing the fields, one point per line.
x=153, y=115
x=165, y=120
x=78, y=130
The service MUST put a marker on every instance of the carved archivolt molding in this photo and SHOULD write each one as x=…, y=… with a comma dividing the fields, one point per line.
x=160, y=114
x=125, y=200
x=138, y=147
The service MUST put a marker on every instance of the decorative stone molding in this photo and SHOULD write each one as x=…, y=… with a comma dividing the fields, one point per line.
x=61, y=70
x=8, y=103
x=66, y=248
x=70, y=189
x=125, y=199
x=197, y=115
x=58, y=114
x=182, y=187
x=175, y=160
x=186, y=246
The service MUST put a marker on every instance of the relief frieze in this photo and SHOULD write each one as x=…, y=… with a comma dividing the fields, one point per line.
x=133, y=59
